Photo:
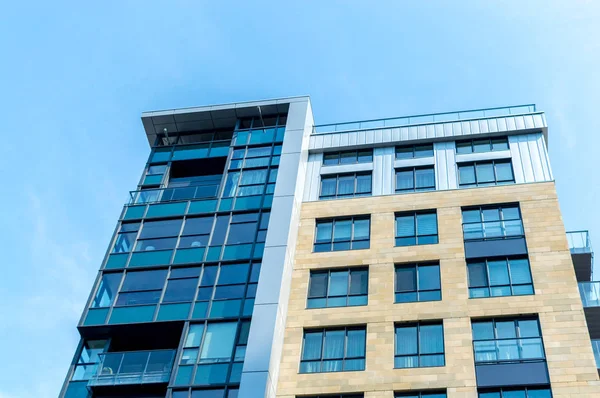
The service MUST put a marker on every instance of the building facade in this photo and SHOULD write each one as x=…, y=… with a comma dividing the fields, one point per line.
x=262, y=255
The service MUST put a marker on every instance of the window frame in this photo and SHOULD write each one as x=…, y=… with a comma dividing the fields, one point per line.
x=418, y=354
x=338, y=156
x=416, y=236
x=351, y=241
x=489, y=286
x=337, y=177
x=517, y=338
x=344, y=358
x=417, y=292
x=348, y=294
x=421, y=394
x=494, y=163
x=414, y=170
x=414, y=151
x=502, y=221
x=490, y=142
x=501, y=390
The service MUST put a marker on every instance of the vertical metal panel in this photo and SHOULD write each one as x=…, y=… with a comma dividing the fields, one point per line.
x=493, y=125
x=422, y=132
x=543, y=149
x=439, y=130
x=502, y=124
x=528, y=121
x=483, y=126
x=510, y=123
x=474, y=126
x=404, y=133
x=520, y=122
x=396, y=134
x=430, y=131
x=535, y=156
x=386, y=135
x=465, y=128
x=383, y=171
x=448, y=130
x=311, y=184
x=413, y=133
x=538, y=121
x=517, y=163
x=445, y=165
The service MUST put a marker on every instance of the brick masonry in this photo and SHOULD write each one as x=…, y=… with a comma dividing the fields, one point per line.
x=567, y=343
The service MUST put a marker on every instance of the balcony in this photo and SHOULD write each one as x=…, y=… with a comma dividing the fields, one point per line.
x=134, y=367
x=590, y=294
x=579, y=242
x=424, y=119
x=165, y=195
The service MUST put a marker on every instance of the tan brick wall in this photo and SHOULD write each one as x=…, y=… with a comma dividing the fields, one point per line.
x=566, y=339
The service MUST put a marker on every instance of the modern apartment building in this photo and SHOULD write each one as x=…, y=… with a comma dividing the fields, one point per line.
x=262, y=255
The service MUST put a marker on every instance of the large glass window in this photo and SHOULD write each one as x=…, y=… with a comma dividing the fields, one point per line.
x=182, y=284
x=344, y=233
x=414, y=151
x=416, y=228
x=159, y=235
x=419, y=345
x=516, y=392
x=493, y=277
x=338, y=288
x=414, y=179
x=333, y=350
x=142, y=287
x=418, y=282
x=196, y=232
x=87, y=363
x=482, y=145
x=348, y=157
x=507, y=340
x=217, y=351
x=107, y=291
x=242, y=228
x=345, y=185
x=492, y=222
x=421, y=394
x=479, y=174
x=126, y=237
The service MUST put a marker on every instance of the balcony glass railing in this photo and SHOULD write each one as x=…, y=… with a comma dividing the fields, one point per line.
x=165, y=195
x=590, y=294
x=427, y=118
x=579, y=242
x=596, y=348
x=134, y=367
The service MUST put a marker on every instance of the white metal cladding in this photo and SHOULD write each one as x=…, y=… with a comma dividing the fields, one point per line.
x=434, y=131
x=527, y=152
x=530, y=158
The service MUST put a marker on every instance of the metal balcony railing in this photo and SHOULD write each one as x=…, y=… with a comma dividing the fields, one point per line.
x=424, y=119
x=590, y=294
x=134, y=367
x=579, y=241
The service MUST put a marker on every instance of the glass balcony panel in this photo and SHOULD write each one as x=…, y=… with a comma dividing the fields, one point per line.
x=579, y=242
x=596, y=348
x=136, y=367
x=590, y=294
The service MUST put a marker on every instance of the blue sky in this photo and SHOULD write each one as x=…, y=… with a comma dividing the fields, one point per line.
x=75, y=78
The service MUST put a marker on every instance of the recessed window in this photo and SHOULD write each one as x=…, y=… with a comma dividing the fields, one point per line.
x=494, y=277
x=159, y=235
x=516, y=392
x=348, y=157
x=344, y=233
x=482, y=145
x=333, y=350
x=196, y=232
x=507, y=340
x=416, y=228
x=107, y=291
x=492, y=222
x=414, y=179
x=421, y=394
x=419, y=345
x=414, y=151
x=486, y=173
x=338, y=288
x=345, y=185
x=418, y=282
